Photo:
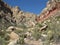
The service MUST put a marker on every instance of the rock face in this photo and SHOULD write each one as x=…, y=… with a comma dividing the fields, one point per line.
x=52, y=7
x=14, y=16
x=5, y=15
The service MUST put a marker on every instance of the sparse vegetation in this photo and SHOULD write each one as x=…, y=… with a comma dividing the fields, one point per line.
x=36, y=34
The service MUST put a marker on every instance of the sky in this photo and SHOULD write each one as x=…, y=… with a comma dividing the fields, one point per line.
x=33, y=6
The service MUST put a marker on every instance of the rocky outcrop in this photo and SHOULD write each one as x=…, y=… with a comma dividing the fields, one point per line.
x=5, y=15
x=14, y=16
x=52, y=7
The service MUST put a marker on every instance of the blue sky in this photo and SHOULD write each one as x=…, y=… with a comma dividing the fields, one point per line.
x=33, y=6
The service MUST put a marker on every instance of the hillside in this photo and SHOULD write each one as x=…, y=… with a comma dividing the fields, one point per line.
x=23, y=28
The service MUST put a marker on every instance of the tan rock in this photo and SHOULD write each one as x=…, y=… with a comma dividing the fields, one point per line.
x=43, y=28
x=14, y=36
x=10, y=28
x=28, y=34
x=15, y=10
x=14, y=42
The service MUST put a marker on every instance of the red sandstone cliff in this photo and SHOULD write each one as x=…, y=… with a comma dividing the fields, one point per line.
x=52, y=7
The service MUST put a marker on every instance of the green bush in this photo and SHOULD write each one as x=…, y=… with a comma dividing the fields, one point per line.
x=36, y=34
x=21, y=39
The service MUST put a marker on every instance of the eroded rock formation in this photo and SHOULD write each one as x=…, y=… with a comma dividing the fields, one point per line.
x=52, y=7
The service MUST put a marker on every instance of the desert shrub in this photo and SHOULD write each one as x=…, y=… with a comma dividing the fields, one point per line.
x=39, y=25
x=21, y=39
x=54, y=27
x=2, y=41
x=36, y=34
x=53, y=31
